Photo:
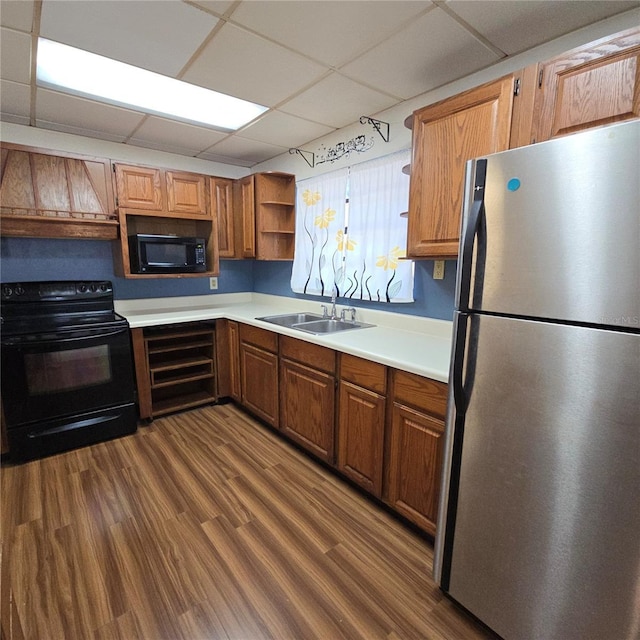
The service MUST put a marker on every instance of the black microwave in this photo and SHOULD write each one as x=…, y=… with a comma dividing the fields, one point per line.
x=166, y=254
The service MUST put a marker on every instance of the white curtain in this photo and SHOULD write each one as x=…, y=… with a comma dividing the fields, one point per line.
x=320, y=221
x=373, y=268
x=355, y=247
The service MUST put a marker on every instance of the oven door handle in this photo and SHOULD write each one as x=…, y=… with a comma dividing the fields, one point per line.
x=87, y=334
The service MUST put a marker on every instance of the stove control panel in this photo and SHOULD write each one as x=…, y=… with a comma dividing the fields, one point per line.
x=56, y=291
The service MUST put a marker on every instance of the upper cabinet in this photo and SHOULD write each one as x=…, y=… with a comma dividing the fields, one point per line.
x=151, y=189
x=164, y=202
x=445, y=136
x=592, y=85
x=55, y=195
x=275, y=207
x=261, y=222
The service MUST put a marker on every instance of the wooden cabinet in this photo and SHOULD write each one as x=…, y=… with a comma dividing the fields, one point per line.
x=307, y=395
x=235, y=380
x=361, y=422
x=596, y=84
x=222, y=201
x=445, y=136
x=55, y=195
x=163, y=202
x=414, y=462
x=153, y=189
x=275, y=215
x=175, y=367
x=245, y=214
x=259, y=373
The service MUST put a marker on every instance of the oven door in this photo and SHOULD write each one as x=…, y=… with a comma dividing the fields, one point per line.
x=48, y=376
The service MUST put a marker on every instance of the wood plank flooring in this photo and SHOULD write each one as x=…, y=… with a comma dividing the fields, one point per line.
x=205, y=525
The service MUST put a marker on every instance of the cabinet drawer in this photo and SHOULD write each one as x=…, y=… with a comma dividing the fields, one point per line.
x=260, y=337
x=364, y=373
x=320, y=358
x=422, y=393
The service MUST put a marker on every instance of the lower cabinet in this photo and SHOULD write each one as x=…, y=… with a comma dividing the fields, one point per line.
x=175, y=367
x=307, y=396
x=380, y=427
x=361, y=422
x=414, y=459
x=259, y=373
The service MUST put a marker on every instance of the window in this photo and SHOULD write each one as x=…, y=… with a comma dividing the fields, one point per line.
x=349, y=233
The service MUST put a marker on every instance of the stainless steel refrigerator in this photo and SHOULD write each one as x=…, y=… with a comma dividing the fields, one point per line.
x=539, y=524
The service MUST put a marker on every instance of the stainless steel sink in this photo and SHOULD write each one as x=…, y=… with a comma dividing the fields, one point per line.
x=328, y=325
x=313, y=323
x=289, y=319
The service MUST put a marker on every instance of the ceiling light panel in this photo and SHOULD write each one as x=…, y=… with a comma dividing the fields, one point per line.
x=82, y=73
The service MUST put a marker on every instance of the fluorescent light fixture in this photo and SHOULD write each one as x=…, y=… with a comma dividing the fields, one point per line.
x=86, y=74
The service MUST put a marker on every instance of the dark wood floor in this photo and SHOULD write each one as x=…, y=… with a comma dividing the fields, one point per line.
x=204, y=526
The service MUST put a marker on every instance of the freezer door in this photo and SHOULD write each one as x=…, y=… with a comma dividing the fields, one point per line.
x=559, y=236
x=547, y=523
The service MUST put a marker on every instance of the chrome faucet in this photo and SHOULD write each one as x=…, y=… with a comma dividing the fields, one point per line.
x=350, y=310
x=334, y=292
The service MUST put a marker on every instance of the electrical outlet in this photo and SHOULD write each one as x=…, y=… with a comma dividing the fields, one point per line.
x=213, y=283
x=438, y=270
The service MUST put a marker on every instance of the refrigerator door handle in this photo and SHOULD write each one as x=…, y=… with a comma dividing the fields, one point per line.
x=471, y=230
x=459, y=397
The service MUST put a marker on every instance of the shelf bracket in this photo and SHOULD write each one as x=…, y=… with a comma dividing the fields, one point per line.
x=377, y=125
x=304, y=155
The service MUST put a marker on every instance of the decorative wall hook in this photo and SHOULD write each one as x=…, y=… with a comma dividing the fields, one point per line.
x=304, y=155
x=377, y=126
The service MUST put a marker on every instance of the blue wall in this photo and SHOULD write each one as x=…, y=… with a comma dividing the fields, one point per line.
x=25, y=259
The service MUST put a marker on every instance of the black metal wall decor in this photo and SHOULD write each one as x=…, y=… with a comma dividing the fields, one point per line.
x=378, y=125
x=308, y=156
x=358, y=144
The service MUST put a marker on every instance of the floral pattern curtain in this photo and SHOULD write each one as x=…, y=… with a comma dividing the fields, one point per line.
x=349, y=234
x=320, y=221
x=373, y=269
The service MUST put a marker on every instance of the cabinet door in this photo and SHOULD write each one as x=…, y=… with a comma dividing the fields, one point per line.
x=593, y=85
x=186, y=193
x=234, y=361
x=445, y=136
x=361, y=436
x=415, y=462
x=139, y=187
x=308, y=402
x=245, y=203
x=221, y=192
x=259, y=371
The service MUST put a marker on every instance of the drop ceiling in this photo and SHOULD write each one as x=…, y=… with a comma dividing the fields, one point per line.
x=318, y=65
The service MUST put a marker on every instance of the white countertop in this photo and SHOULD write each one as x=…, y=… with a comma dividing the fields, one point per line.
x=410, y=343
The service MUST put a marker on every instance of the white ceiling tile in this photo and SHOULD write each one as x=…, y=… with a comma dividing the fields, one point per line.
x=517, y=26
x=179, y=135
x=283, y=129
x=337, y=101
x=15, y=56
x=82, y=114
x=159, y=36
x=17, y=14
x=217, y=6
x=246, y=66
x=434, y=50
x=247, y=150
x=330, y=32
x=14, y=101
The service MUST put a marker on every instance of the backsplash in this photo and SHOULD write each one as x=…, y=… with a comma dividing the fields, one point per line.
x=28, y=259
